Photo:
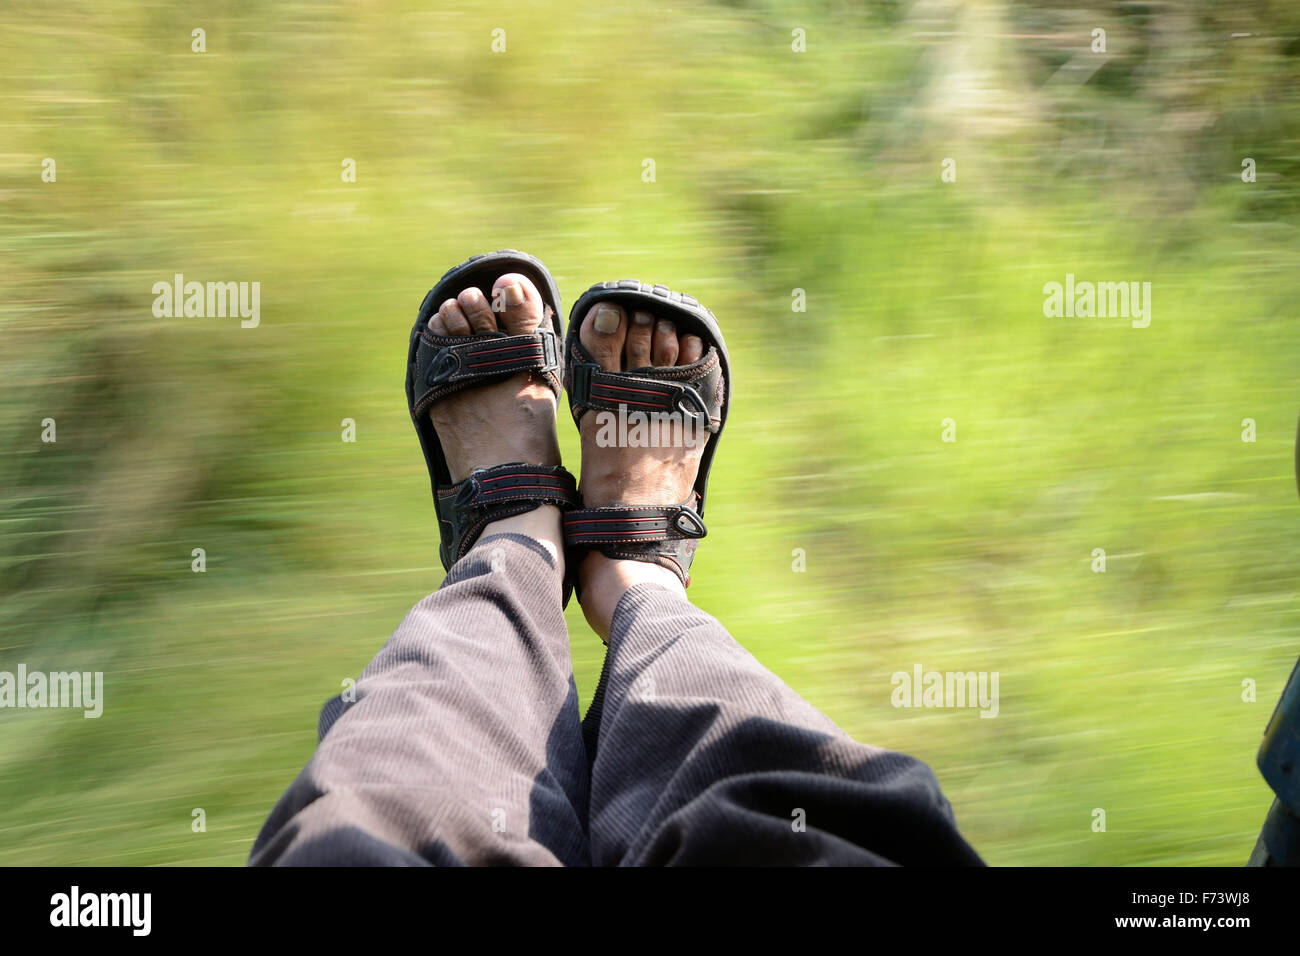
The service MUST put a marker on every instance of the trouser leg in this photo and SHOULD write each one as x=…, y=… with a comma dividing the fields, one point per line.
x=700, y=755
x=463, y=744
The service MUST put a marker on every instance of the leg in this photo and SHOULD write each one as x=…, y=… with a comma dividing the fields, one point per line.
x=463, y=745
x=699, y=753
x=703, y=756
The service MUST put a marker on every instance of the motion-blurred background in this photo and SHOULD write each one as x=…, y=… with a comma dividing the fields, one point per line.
x=775, y=170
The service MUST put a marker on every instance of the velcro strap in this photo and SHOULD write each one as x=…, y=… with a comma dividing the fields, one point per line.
x=592, y=386
x=505, y=483
x=591, y=526
x=448, y=363
x=490, y=494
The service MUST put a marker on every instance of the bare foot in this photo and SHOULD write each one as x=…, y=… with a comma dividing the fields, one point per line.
x=619, y=475
x=510, y=421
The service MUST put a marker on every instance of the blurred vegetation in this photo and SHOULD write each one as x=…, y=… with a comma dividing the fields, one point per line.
x=775, y=170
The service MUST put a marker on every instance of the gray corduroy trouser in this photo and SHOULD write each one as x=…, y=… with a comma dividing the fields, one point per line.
x=465, y=746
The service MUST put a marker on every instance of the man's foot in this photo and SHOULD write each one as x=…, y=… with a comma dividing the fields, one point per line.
x=513, y=420
x=510, y=421
x=636, y=476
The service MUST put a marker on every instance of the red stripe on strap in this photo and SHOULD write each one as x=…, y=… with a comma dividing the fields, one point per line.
x=624, y=388
x=622, y=534
x=624, y=401
x=502, y=491
x=573, y=521
x=518, y=474
x=509, y=348
x=508, y=361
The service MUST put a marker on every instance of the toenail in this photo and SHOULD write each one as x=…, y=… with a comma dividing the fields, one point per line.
x=642, y=318
x=606, y=320
x=665, y=327
x=514, y=294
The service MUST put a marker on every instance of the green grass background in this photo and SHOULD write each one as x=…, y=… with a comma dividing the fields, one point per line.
x=775, y=170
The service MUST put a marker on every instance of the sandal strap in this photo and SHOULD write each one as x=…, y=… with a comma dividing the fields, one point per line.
x=666, y=536
x=590, y=386
x=446, y=364
x=490, y=494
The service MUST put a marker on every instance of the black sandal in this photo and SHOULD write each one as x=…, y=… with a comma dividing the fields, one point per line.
x=699, y=394
x=442, y=365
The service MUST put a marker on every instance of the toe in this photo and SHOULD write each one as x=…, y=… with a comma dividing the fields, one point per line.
x=478, y=310
x=691, y=350
x=639, y=332
x=602, y=334
x=452, y=318
x=437, y=326
x=517, y=303
x=665, y=343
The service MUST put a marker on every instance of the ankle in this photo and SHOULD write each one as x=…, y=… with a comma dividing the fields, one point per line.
x=542, y=524
x=603, y=581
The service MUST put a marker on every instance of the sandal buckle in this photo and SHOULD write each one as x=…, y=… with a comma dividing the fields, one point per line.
x=445, y=364
x=469, y=490
x=700, y=412
x=689, y=523
x=550, y=351
x=580, y=389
